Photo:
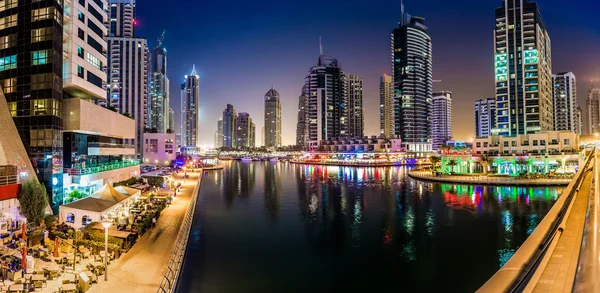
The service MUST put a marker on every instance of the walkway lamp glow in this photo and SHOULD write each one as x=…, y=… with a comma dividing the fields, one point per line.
x=106, y=225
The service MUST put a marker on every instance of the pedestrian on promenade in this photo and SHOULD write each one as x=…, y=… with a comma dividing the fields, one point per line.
x=153, y=222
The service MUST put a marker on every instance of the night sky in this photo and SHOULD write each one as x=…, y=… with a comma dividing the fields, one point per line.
x=241, y=48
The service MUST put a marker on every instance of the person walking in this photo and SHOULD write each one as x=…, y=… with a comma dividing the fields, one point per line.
x=153, y=222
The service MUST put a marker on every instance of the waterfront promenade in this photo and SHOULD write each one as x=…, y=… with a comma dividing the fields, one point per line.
x=142, y=268
x=489, y=180
x=340, y=164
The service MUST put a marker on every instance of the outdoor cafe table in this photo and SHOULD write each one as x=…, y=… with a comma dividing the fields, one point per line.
x=15, y=288
x=38, y=278
x=69, y=288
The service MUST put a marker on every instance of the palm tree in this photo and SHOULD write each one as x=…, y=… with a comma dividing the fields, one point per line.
x=485, y=161
x=434, y=161
x=522, y=163
x=452, y=163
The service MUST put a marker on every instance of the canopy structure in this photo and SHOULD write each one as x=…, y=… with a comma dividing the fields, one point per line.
x=106, y=203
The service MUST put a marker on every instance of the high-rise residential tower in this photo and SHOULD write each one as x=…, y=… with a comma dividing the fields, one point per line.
x=579, y=120
x=229, y=127
x=190, y=97
x=355, y=106
x=245, y=131
x=412, y=76
x=593, y=111
x=386, y=106
x=302, y=126
x=128, y=61
x=272, y=119
x=171, y=120
x=485, y=117
x=158, y=112
x=441, y=123
x=564, y=93
x=327, y=101
x=523, y=70
x=219, y=133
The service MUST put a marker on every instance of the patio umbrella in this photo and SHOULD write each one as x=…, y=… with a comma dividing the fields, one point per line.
x=23, y=232
x=56, y=247
x=24, y=260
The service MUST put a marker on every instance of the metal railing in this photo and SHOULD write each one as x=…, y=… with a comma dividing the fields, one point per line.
x=93, y=169
x=110, y=145
x=168, y=284
x=9, y=179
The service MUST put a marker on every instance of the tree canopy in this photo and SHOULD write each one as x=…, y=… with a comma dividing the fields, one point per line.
x=33, y=200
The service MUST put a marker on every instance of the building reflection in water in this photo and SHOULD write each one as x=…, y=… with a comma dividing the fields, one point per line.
x=272, y=188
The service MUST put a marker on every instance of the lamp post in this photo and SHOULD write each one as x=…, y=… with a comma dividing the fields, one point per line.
x=106, y=225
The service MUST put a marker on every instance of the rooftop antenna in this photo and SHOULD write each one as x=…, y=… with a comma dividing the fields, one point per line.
x=194, y=69
x=320, y=46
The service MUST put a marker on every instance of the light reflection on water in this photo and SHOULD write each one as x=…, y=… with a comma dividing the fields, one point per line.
x=273, y=227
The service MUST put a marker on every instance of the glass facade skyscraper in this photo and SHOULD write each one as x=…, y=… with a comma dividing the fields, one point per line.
x=523, y=70
x=412, y=76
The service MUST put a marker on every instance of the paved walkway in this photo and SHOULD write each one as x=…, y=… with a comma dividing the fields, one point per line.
x=488, y=180
x=141, y=268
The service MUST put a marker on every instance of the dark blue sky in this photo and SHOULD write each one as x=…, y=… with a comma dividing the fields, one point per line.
x=240, y=48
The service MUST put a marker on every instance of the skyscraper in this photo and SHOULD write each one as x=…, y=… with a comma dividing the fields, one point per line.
x=219, y=133
x=386, y=106
x=564, y=93
x=245, y=131
x=327, y=101
x=441, y=123
x=593, y=111
x=578, y=120
x=171, y=120
x=272, y=119
x=31, y=66
x=128, y=58
x=485, y=117
x=229, y=127
x=190, y=97
x=523, y=70
x=302, y=126
x=412, y=75
x=159, y=90
x=355, y=106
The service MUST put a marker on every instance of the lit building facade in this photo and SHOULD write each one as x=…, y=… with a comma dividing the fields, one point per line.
x=302, y=125
x=190, y=97
x=441, y=123
x=564, y=93
x=229, y=127
x=160, y=149
x=272, y=119
x=219, y=133
x=412, y=76
x=356, y=122
x=245, y=131
x=544, y=142
x=158, y=112
x=523, y=70
x=593, y=111
x=386, y=106
x=579, y=120
x=327, y=101
x=485, y=117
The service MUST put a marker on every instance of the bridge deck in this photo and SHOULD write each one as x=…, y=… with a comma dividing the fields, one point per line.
x=558, y=274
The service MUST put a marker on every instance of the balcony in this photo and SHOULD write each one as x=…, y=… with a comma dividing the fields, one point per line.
x=93, y=169
x=105, y=149
x=8, y=175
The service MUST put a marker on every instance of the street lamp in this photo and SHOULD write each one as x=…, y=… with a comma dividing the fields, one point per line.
x=106, y=225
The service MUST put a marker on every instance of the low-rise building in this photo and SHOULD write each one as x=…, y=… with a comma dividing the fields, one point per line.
x=160, y=149
x=366, y=144
x=94, y=152
x=545, y=142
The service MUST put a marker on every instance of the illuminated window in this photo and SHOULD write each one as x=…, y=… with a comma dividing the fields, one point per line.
x=79, y=51
x=9, y=85
x=41, y=81
x=80, y=16
x=8, y=4
x=9, y=21
x=40, y=137
x=42, y=13
x=91, y=59
x=40, y=57
x=8, y=62
x=41, y=34
x=12, y=107
x=8, y=41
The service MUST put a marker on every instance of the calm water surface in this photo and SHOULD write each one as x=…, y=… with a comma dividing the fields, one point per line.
x=281, y=227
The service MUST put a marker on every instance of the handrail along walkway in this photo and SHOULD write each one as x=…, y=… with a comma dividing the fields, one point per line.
x=170, y=279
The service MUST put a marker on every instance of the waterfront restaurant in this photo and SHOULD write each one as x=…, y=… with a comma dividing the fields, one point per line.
x=513, y=165
x=106, y=203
